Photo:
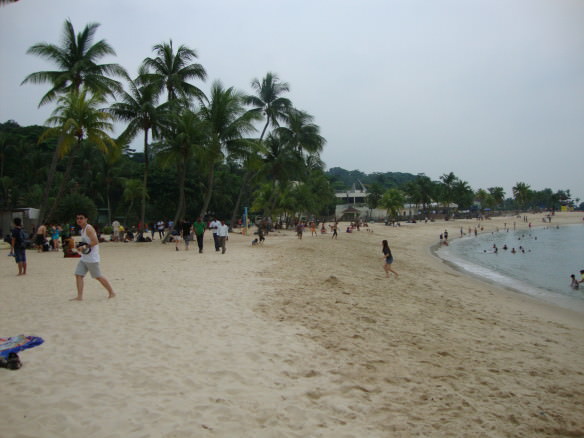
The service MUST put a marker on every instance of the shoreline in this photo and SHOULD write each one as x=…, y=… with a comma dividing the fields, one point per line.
x=544, y=296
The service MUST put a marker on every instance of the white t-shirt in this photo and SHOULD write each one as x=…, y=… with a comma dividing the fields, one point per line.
x=223, y=230
x=93, y=256
x=215, y=226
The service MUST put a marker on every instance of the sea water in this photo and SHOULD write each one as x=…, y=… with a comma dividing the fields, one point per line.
x=545, y=258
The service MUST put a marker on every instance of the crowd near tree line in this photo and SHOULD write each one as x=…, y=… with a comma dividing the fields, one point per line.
x=204, y=154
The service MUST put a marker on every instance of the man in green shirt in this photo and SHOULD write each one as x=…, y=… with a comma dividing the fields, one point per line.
x=199, y=228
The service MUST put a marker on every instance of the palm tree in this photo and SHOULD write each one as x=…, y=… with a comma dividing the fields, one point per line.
x=268, y=101
x=228, y=124
x=77, y=62
x=75, y=120
x=421, y=191
x=448, y=183
x=139, y=107
x=462, y=194
x=282, y=162
x=133, y=190
x=76, y=59
x=393, y=201
x=301, y=133
x=498, y=194
x=171, y=71
x=185, y=140
x=521, y=193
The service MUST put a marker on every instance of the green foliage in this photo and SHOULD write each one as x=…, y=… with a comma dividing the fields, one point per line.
x=344, y=179
x=72, y=204
x=393, y=201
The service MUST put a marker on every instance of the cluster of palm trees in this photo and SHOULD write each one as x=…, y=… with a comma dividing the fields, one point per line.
x=182, y=126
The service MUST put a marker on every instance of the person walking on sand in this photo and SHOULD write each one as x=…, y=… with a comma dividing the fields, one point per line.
x=388, y=259
x=90, y=259
x=214, y=226
x=335, y=234
x=18, y=246
x=223, y=235
x=199, y=229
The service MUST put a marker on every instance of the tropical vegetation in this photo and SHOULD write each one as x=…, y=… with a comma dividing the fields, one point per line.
x=201, y=154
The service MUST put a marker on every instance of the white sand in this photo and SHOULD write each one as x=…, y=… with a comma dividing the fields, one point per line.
x=294, y=339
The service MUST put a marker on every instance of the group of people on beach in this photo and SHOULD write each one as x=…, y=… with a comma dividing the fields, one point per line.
x=89, y=258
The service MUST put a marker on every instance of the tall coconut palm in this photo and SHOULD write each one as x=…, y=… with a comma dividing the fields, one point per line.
x=498, y=194
x=393, y=201
x=448, y=181
x=268, y=101
x=301, y=133
x=282, y=162
x=521, y=193
x=184, y=142
x=77, y=64
x=171, y=71
x=139, y=107
x=76, y=119
x=228, y=123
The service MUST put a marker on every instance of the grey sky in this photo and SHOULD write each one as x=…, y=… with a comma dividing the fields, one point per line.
x=492, y=90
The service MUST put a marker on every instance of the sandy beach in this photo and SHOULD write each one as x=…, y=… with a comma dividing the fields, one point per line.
x=298, y=338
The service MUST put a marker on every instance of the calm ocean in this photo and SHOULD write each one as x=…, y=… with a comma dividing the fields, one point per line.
x=542, y=270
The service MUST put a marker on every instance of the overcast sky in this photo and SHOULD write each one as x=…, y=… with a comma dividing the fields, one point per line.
x=492, y=90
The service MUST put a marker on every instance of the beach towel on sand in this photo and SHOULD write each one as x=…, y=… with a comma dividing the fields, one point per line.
x=18, y=343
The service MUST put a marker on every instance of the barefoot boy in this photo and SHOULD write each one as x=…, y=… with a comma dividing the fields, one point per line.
x=89, y=260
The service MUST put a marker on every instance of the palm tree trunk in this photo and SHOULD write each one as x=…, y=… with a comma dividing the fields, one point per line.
x=207, y=199
x=247, y=177
x=272, y=201
x=144, y=191
x=66, y=178
x=180, y=209
x=50, y=177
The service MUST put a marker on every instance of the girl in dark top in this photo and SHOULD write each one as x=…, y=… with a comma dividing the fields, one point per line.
x=388, y=259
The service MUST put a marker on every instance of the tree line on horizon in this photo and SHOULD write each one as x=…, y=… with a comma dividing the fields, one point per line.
x=202, y=154
x=421, y=190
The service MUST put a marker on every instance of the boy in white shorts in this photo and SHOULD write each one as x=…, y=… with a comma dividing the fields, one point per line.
x=90, y=259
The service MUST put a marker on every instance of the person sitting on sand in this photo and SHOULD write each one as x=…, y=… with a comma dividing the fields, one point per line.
x=69, y=248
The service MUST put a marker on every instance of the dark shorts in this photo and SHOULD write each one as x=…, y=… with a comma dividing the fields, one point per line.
x=20, y=255
x=39, y=239
x=388, y=260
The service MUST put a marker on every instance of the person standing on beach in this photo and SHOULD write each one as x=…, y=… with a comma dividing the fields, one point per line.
x=40, y=237
x=214, y=225
x=223, y=235
x=199, y=229
x=186, y=229
x=90, y=259
x=299, y=230
x=388, y=259
x=335, y=234
x=160, y=228
x=18, y=246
